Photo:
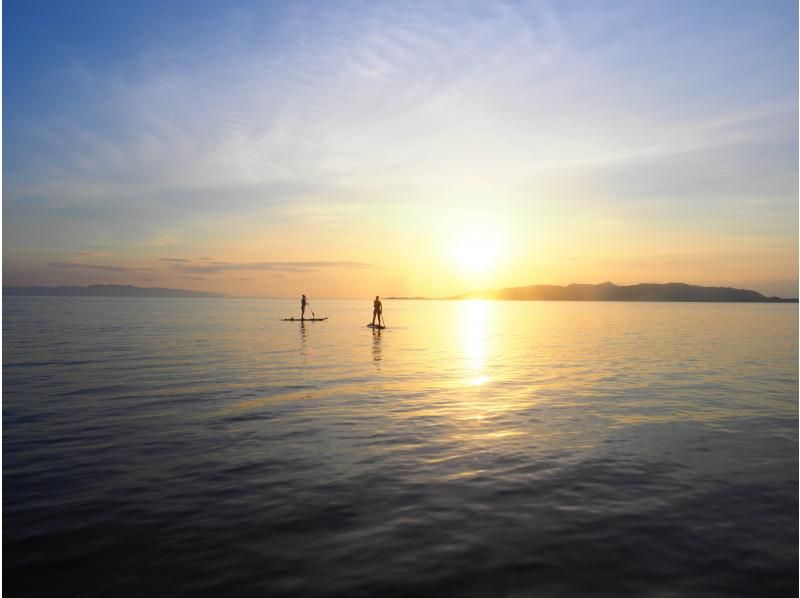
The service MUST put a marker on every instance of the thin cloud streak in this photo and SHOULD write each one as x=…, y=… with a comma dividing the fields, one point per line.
x=75, y=266
x=294, y=267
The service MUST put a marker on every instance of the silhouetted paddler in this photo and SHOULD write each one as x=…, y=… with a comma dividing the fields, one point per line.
x=377, y=310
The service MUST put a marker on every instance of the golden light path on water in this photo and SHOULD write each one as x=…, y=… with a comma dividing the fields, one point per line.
x=475, y=343
x=474, y=408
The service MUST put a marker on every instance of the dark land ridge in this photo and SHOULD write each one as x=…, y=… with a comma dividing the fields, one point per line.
x=107, y=290
x=607, y=291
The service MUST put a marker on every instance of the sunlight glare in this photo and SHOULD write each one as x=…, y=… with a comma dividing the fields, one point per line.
x=475, y=253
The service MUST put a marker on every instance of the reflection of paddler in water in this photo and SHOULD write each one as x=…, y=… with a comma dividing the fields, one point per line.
x=303, y=347
x=377, y=310
x=376, y=347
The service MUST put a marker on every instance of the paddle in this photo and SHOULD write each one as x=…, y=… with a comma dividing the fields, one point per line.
x=313, y=315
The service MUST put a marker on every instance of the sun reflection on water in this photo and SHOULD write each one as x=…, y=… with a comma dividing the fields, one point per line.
x=479, y=380
x=475, y=342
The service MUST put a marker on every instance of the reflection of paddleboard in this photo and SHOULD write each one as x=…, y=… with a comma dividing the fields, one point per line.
x=304, y=319
x=375, y=326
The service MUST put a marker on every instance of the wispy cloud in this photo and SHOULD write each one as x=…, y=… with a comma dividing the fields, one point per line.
x=293, y=267
x=78, y=266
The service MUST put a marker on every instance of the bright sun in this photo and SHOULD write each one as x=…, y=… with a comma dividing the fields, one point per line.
x=475, y=253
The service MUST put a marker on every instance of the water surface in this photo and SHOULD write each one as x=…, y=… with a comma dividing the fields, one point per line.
x=188, y=447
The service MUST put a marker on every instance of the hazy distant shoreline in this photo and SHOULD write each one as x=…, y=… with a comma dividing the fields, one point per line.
x=668, y=292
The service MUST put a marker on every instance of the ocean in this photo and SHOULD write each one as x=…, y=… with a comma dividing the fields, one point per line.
x=185, y=447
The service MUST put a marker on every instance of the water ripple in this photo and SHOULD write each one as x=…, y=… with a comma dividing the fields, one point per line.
x=184, y=447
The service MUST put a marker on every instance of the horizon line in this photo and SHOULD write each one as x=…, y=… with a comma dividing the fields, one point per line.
x=458, y=296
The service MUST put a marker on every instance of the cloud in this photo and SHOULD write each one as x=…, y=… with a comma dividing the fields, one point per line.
x=215, y=267
x=85, y=254
x=76, y=266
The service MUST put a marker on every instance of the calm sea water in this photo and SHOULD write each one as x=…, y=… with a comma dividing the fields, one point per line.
x=172, y=447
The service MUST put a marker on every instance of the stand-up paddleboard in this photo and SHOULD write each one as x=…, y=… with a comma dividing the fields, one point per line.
x=376, y=326
x=305, y=319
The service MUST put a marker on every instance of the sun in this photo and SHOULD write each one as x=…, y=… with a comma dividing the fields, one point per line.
x=475, y=253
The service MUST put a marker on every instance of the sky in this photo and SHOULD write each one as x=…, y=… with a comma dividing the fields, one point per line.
x=348, y=149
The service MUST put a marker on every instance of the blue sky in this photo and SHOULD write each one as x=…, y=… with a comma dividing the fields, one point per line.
x=257, y=148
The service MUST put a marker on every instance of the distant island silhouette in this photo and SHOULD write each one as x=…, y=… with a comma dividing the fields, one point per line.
x=608, y=291
x=107, y=290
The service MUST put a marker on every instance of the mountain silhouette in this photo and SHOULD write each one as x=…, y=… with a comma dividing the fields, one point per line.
x=607, y=291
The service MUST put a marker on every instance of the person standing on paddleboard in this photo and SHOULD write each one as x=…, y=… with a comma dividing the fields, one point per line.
x=377, y=310
x=303, y=303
